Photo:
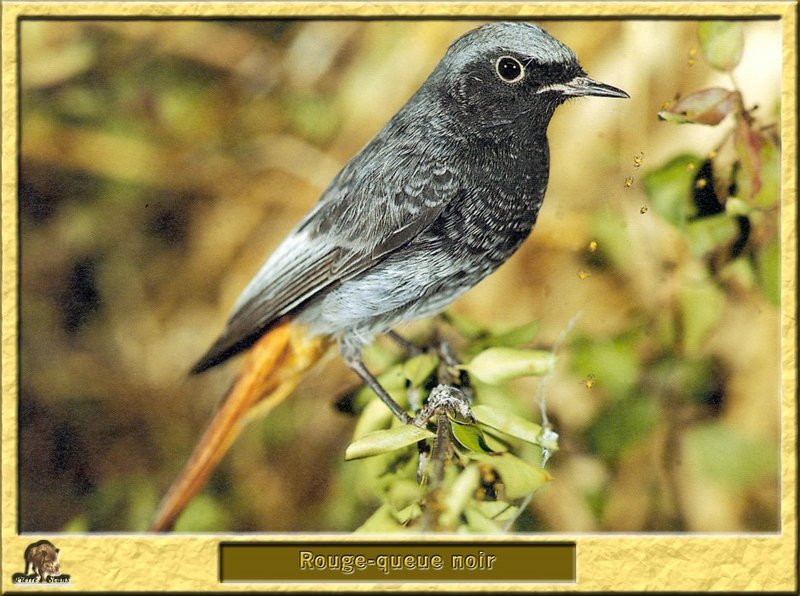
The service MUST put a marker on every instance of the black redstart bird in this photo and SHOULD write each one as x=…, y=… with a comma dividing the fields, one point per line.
x=439, y=199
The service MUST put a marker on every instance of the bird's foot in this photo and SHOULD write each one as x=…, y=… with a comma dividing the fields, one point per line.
x=448, y=398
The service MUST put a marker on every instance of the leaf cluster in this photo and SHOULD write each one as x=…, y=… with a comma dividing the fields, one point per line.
x=664, y=383
x=453, y=473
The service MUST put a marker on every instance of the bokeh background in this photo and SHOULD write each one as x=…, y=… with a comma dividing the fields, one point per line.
x=161, y=161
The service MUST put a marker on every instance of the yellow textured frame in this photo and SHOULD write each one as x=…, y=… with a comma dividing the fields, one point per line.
x=144, y=562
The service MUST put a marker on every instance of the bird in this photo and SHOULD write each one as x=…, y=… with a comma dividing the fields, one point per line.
x=440, y=198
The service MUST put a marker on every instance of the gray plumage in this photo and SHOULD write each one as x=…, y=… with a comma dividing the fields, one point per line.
x=439, y=199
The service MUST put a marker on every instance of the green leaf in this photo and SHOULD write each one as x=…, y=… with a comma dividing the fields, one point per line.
x=729, y=458
x=518, y=477
x=477, y=522
x=203, y=514
x=376, y=475
x=769, y=193
x=408, y=513
x=496, y=441
x=379, y=355
x=464, y=325
x=512, y=338
x=734, y=207
x=722, y=43
x=708, y=233
x=740, y=272
x=418, y=368
x=768, y=262
x=518, y=336
x=709, y=106
x=498, y=365
x=701, y=307
x=382, y=521
x=508, y=423
x=142, y=501
x=497, y=510
x=77, y=525
x=499, y=397
x=385, y=441
x=623, y=424
x=376, y=416
x=669, y=188
x=460, y=494
x=615, y=363
x=313, y=117
x=393, y=378
x=470, y=437
x=612, y=236
x=403, y=493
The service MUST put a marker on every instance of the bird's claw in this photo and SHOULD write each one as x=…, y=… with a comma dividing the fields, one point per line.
x=445, y=397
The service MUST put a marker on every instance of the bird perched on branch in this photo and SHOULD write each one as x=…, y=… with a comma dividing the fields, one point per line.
x=440, y=198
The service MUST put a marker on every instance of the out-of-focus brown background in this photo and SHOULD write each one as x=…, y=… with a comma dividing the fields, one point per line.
x=161, y=161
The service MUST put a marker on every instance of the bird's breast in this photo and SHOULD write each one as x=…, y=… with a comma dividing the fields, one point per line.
x=498, y=202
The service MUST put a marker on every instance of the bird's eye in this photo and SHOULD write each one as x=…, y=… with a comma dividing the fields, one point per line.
x=509, y=69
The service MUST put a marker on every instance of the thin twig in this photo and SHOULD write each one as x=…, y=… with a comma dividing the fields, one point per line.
x=546, y=379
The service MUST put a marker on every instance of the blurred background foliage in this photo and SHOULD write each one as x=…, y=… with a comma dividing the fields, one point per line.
x=162, y=160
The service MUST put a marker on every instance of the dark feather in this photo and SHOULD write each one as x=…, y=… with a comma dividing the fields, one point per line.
x=326, y=249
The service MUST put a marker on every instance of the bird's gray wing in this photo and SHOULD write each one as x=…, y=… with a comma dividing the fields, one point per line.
x=372, y=208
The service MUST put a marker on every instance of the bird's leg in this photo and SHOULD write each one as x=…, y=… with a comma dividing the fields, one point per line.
x=352, y=356
x=449, y=371
x=409, y=346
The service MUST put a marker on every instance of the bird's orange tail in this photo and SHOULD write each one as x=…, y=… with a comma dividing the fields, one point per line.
x=274, y=366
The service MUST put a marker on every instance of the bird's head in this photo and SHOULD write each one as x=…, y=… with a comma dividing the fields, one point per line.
x=512, y=76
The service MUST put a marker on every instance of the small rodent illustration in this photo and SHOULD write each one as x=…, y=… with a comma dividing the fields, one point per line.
x=41, y=558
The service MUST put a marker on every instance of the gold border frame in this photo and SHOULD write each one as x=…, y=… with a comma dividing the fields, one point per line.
x=763, y=562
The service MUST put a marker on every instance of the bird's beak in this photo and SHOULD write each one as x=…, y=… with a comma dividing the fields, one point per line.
x=580, y=86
